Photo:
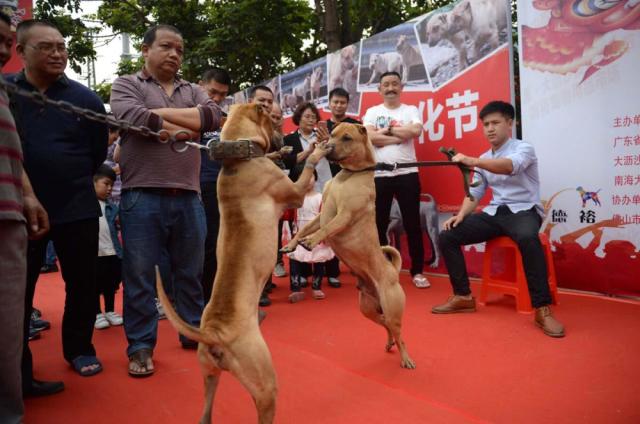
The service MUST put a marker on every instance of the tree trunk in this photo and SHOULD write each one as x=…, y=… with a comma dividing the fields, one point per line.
x=346, y=37
x=331, y=25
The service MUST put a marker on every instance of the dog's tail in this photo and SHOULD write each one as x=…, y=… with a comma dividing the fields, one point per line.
x=178, y=323
x=393, y=255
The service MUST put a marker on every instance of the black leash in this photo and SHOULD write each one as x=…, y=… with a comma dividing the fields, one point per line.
x=465, y=170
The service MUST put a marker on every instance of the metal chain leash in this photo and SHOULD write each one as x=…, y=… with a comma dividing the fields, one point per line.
x=162, y=136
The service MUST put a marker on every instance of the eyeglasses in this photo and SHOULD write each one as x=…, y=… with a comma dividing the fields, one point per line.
x=50, y=48
x=313, y=117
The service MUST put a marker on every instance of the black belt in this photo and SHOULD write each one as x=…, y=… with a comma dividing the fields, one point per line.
x=165, y=191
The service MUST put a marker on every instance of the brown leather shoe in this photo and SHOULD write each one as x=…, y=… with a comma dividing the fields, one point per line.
x=455, y=304
x=545, y=320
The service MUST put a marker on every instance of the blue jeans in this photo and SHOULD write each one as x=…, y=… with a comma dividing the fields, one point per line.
x=156, y=225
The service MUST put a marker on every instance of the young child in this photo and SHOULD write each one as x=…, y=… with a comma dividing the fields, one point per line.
x=318, y=256
x=108, y=271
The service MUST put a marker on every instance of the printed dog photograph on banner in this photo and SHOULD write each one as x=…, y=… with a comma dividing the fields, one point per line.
x=460, y=34
x=343, y=72
x=226, y=103
x=240, y=96
x=307, y=83
x=396, y=50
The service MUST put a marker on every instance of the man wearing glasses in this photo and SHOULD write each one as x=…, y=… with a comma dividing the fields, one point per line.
x=61, y=153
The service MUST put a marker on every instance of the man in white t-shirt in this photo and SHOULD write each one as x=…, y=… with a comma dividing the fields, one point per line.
x=392, y=127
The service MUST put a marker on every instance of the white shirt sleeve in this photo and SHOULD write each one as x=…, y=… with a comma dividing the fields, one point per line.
x=369, y=117
x=414, y=115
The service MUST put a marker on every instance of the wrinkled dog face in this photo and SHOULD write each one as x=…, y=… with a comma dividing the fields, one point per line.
x=248, y=121
x=351, y=147
x=437, y=28
x=460, y=17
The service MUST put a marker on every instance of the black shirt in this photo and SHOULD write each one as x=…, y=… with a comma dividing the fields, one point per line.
x=62, y=151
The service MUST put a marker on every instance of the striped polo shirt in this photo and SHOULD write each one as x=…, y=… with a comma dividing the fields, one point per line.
x=144, y=162
x=10, y=165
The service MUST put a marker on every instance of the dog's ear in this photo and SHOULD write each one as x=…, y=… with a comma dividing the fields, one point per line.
x=361, y=129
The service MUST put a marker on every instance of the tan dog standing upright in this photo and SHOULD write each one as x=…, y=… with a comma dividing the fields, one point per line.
x=347, y=223
x=252, y=195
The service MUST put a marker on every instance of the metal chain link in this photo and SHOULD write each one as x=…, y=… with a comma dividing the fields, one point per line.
x=162, y=136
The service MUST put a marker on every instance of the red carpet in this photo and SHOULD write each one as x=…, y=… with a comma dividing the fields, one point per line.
x=491, y=366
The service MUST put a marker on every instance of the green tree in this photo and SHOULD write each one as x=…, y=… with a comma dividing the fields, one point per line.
x=343, y=22
x=253, y=39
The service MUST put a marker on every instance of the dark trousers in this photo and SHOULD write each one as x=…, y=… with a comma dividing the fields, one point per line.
x=76, y=244
x=406, y=189
x=521, y=227
x=212, y=214
x=108, y=278
x=332, y=267
x=300, y=270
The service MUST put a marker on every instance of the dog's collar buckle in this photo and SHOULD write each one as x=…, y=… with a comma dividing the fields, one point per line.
x=236, y=149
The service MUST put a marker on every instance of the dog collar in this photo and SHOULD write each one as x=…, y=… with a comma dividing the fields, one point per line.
x=237, y=149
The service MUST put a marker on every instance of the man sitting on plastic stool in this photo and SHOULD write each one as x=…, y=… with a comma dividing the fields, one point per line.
x=510, y=169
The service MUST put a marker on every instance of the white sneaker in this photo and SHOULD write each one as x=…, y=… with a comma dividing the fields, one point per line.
x=160, y=309
x=114, y=318
x=421, y=281
x=279, y=271
x=101, y=322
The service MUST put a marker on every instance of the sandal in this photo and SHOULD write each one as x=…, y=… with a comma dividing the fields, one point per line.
x=318, y=294
x=83, y=361
x=296, y=297
x=421, y=281
x=140, y=359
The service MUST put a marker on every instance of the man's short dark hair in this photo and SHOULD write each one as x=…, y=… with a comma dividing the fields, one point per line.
x=104, y=171
x=219, y=75
x=340, y=92
x=386, y=74
x=150, y=34
x=499, y=106
x=300, y=110
x=5, y=18
x=23, y=28
x=252, y=91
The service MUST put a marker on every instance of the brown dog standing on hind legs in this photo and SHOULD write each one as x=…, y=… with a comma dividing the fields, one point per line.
x=252, y=194
x=347, y=223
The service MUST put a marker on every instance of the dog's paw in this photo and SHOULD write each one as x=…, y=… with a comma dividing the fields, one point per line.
x=389, y=345
x=289, y=248
x=309, y=243
x=306, y=245
x=408, y=363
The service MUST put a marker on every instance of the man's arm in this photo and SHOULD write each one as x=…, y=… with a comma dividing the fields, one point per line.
x=379, y=138
x=406, y=132
x=37, y=218
x=467, y=207
x=187, y=118
x=206, y=116
x=127, y=103
x=496, y=166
